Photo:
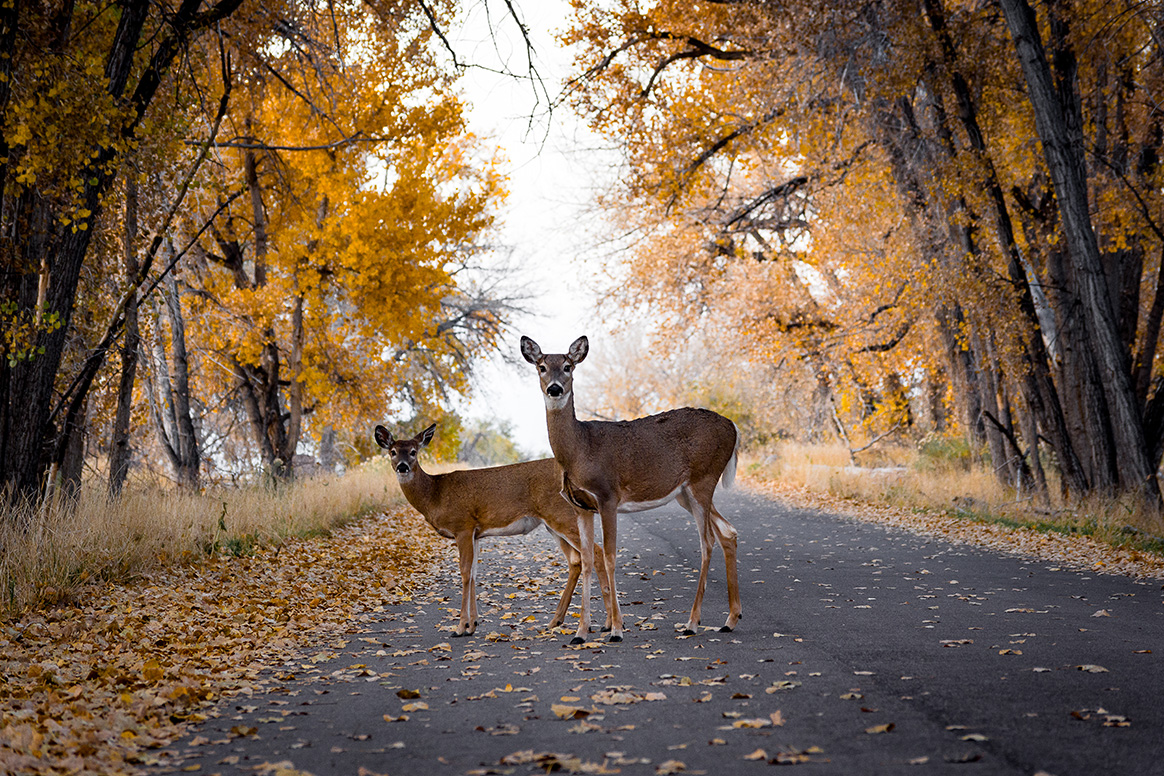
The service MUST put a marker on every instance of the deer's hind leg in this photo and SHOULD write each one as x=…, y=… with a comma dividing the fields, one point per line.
x=726, y=534
x=574, y=560
x=688, y=501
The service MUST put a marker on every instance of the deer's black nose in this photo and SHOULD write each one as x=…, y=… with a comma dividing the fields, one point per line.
x=402, y=467
x=554, y=390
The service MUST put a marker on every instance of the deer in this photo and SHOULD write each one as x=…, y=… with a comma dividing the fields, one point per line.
x=629, y=466
x=511, y=500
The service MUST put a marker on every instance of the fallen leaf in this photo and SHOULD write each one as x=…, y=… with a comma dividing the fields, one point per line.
x=887, y=727
x=1091, y=668
x=564, y=711
x=407, y=694
x=670, y=766
x=152, y=671
x=777, y=718
x=758, y=754
x=977, y=737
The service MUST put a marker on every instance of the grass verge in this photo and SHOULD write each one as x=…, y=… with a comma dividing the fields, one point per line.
x=939, y=482
x=48, y=556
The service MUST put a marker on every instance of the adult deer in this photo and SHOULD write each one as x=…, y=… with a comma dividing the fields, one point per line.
x=499, y=501
x=630, y=466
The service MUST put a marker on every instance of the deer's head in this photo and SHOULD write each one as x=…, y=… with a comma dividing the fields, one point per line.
x=403, y=452
x=555, y=370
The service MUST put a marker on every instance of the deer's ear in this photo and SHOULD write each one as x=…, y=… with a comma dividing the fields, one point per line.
x=425, y=437
x=383, y=437
x=578, y=349
x=530, y=350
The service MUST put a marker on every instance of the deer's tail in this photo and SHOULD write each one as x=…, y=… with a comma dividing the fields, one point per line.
x=728, y=478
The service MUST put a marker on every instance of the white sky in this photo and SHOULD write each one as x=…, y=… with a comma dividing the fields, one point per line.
x=552, y=169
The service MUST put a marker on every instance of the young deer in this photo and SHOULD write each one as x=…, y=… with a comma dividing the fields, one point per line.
x=499, y=501
x=639, y=464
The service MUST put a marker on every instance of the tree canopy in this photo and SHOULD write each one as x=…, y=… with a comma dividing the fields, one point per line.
x=904, y=196
x=279, y=202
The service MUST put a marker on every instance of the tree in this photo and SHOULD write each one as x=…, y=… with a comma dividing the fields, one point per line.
x=73, y=106
x=359, y=207
x=846, y=180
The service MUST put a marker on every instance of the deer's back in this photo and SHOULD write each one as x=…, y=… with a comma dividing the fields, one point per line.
x=502, y=494
x=650, y=457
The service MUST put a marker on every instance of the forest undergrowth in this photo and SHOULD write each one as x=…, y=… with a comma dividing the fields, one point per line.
x=49, y=555
x=937, y=491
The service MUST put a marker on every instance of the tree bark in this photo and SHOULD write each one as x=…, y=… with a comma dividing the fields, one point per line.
x=30, y=439
x=1059, y=121
x=120, y=451
x=189, y=459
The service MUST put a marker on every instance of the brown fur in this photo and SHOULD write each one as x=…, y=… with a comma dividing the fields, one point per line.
x=466, y=505
x=608, y=467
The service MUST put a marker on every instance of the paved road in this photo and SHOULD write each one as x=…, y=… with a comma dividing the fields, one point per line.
x=863, y=650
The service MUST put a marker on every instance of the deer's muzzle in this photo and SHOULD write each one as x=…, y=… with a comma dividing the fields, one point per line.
x=554, y=390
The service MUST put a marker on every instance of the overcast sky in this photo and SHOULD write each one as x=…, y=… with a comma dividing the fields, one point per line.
x=552, y=169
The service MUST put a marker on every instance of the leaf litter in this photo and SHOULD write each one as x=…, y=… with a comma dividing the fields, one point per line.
x=104, y=684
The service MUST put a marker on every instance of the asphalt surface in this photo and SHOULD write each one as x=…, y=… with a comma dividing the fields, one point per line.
x=862, y=650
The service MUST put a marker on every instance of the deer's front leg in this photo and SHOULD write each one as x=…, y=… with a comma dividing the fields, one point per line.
x=586, y=539
x=609, y=552
x=604, y=582
x=467, y=552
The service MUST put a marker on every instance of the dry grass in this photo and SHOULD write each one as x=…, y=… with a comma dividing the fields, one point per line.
x=46, y=556
x=936, y=479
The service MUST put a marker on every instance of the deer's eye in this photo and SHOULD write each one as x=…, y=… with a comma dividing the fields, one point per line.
x=542, y=368
x=567, y=368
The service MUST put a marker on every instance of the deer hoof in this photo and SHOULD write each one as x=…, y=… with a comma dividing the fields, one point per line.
x=577, y=640
x=615, y=637
x=725, y=629
x=606, y=629
x=688, y=631
x=460, y=634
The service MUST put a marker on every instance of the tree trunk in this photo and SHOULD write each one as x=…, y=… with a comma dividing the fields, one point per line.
x=120, y=452
x=189, y=459
x=1059, y=121
x=169, y=393
x=29, y=438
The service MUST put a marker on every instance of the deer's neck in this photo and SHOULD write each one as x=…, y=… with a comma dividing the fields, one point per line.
x=566, y=432
x=420, y=490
